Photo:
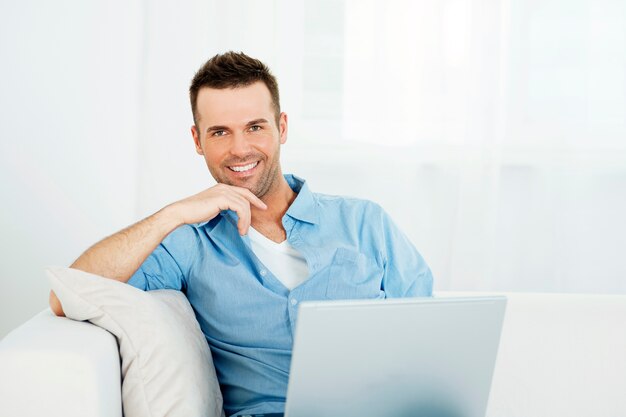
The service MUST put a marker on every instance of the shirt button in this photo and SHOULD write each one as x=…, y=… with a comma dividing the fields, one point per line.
x=263, y=272
x=294, y=301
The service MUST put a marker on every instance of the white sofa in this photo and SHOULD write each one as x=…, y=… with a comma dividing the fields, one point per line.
x=53, y=366
x=560, y=355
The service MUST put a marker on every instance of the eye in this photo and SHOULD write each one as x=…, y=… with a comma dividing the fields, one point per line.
x=255, y=128
x=219, y=133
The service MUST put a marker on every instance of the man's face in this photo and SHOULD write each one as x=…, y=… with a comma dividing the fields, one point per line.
x=238, y=136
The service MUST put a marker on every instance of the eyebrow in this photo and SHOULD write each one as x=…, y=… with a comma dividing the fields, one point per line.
x=250, y=123
x=256, y=122
x=211, y=128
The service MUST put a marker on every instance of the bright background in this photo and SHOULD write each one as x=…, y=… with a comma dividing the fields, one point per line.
x=493, y=131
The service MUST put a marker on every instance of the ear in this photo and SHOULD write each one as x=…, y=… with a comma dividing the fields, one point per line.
x=282, y=128
x=196, y=139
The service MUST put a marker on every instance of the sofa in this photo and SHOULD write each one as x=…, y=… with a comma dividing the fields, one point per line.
x=559, y=355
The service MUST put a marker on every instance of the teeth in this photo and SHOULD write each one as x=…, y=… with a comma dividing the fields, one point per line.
x=245, y=167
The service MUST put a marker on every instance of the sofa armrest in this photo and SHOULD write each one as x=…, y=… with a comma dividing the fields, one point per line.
x=53, y=366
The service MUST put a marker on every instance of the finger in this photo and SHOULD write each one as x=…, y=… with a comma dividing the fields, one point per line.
x=243, y=223
x=241, y=206
x=250, y=197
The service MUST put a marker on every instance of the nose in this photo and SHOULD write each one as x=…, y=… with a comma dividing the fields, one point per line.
x=239, y=145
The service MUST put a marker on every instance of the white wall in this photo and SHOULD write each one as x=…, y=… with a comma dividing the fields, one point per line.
x=493, y=131
x=69, y=83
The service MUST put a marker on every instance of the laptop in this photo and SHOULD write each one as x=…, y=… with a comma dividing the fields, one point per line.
x=408, y=357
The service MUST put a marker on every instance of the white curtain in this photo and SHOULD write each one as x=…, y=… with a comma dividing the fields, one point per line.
x=510, y=119
x=494, y=131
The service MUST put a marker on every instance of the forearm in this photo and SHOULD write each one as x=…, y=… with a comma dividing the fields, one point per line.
x=120, y=255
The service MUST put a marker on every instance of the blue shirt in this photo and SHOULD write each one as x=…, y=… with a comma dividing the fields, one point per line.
x=352, y=249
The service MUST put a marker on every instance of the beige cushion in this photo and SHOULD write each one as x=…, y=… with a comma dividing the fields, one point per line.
x=167, y=368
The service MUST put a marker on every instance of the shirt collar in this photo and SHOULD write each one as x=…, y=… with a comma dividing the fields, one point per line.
x=303, y=208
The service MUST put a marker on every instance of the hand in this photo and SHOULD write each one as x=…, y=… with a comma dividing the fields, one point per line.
x=207, y=204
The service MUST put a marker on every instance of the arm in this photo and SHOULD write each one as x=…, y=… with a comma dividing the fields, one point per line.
x=120, y=255
x=406, y=272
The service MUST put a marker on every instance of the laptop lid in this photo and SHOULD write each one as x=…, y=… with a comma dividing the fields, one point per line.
x=406, y=357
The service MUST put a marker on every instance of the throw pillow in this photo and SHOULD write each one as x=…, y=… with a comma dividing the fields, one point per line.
x=167, y=369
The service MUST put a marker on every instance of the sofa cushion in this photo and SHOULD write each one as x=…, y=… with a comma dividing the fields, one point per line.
x=167, y=369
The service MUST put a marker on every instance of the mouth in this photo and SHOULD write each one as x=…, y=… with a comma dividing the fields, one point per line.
x=243, y=168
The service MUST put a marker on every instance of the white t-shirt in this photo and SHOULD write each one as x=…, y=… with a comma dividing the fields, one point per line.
x=285, y=262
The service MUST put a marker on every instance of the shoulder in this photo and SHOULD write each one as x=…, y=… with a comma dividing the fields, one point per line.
x=329, y=201
x=333, y=208
x=355, y=213
x=348, y=204
x=184, y=235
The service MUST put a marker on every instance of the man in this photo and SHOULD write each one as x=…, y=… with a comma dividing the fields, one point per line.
x=248, y=250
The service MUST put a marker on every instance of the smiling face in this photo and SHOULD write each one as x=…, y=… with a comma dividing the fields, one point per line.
x=236, y=132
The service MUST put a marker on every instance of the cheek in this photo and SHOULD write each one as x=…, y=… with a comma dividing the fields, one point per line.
x=213, y=155
x=268, y=144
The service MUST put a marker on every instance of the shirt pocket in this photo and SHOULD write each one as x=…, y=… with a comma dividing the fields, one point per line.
x=353, y=275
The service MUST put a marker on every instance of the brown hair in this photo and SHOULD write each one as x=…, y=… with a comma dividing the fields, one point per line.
x=233, y=70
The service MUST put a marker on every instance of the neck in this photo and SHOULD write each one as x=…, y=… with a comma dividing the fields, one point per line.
x=278, y=199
